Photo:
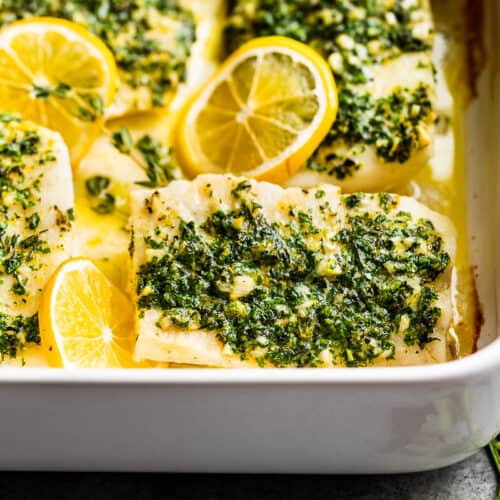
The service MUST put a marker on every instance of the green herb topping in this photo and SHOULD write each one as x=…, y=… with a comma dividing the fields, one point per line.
x=150, y=154
x=351, y=34
x=97, y=188
x=23, y=243
x=16, y=332
x=271, y=291
x=18, y=197
x=392, y=125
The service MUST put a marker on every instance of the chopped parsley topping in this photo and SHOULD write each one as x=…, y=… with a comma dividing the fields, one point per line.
x=90, y=107
x=350, y=34
x=353, y=200
x=147, y=151
x=97, y=188
x=16, y=252
x=160, y=169
x=270, y=291
x=354, y=36
x=18, y=196
x=387, y=202
x=122, y=140
x=16, y=332
x=392, y=125
x=97, y=184
x=23, y=242
x=146, y=60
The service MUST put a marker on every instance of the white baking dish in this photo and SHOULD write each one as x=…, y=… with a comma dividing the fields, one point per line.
x=302, y=421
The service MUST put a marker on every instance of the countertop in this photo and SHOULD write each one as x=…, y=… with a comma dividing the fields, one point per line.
x=473, y=479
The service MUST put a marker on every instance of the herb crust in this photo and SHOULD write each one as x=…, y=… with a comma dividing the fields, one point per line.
x=329, y=288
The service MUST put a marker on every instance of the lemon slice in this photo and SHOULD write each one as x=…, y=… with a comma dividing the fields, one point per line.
x=57, y=74
x=262, y=114
x=85, y=321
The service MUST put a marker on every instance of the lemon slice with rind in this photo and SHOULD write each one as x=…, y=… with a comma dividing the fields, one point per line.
x=85, y=320
x=262, y=114
x=59, y=75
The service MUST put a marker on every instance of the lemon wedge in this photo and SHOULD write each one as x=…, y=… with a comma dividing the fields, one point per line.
x=85, y=320
x=262, y=114
x=59, y=75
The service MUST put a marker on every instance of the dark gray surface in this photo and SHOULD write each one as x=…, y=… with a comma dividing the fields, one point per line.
x=473, y=479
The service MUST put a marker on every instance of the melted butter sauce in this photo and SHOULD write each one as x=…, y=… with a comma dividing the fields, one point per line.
x=440, y=185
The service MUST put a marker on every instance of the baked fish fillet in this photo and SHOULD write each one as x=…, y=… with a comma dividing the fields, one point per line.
x=230, y=272
x=380, y=54
x=36, y=213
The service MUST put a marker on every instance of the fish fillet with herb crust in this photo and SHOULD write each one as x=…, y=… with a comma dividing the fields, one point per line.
x=380, y=54
x=230, y=272
x=36, y=213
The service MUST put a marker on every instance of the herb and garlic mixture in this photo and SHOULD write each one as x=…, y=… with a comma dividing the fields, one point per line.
x=36, y=213
x=289, y=277
x=379, y=52
x=150, y=39
x=149, y=154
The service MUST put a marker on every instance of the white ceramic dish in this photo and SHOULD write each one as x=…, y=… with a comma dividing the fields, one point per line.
x=375, y=420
